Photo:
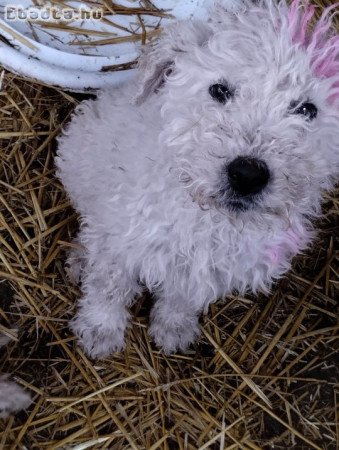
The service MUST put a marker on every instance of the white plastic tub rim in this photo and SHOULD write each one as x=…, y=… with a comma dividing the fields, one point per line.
x=30, y=50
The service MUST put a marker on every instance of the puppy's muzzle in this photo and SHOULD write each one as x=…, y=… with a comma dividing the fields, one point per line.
x=247, y=176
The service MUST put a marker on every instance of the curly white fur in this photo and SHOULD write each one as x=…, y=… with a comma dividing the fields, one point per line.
x=146, y=175
x=12, y=396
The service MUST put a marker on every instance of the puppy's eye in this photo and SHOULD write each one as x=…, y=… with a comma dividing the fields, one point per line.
x=307, y=109
x=220, y=92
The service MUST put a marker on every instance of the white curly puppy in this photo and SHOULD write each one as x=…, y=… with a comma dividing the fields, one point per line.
x=208, y=181
x=12, y=397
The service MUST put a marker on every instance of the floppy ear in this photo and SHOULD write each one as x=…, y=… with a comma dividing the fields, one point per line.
x=157, y=59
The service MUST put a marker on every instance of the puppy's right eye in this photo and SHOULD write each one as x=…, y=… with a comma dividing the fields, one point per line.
x=307, y=109
x=220, y=92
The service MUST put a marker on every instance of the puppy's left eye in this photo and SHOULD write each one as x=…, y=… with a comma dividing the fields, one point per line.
x=307, y=109
x=220, y=92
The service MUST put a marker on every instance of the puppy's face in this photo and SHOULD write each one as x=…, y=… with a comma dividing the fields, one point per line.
x=251, y=123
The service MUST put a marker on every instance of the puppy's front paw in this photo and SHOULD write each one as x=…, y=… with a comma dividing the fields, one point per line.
x=173, y=338
x=98, y=340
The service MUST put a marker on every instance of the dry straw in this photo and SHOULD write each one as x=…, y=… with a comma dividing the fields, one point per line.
x=264, y=375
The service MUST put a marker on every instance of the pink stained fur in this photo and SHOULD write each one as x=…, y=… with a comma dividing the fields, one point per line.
x=322, y=43
x=290, y=243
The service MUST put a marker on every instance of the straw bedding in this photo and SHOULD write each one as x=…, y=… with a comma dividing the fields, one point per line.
x=264, y=375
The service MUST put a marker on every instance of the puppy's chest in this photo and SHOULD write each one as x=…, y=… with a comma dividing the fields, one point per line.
x=196, y=238
x=200, y=252
x=168, y=230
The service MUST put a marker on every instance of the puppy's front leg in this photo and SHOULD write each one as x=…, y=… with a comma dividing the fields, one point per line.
x=102, y=317
x=174, y=321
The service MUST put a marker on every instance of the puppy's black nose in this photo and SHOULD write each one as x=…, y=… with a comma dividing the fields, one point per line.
x=248, y=176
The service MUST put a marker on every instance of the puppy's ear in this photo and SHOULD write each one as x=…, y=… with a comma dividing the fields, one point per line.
x=157, y=59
